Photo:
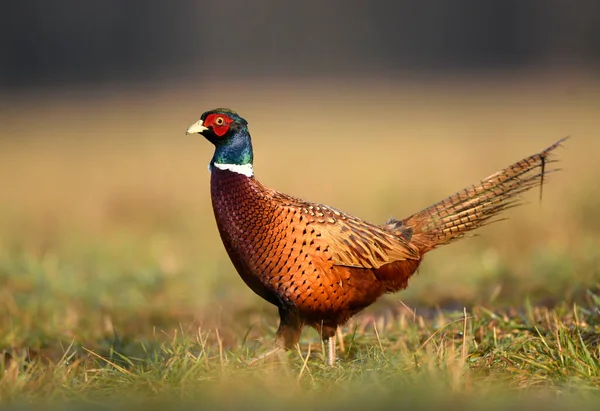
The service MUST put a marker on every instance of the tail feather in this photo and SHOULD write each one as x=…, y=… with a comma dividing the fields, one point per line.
x=476, y=206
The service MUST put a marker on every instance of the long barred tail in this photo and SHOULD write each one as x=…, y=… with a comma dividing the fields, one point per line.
x=475, y=206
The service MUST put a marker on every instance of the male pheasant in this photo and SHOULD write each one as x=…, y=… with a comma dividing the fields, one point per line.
x=319, y=265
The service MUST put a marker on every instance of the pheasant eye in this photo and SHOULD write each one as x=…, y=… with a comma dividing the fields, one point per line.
x=219, y=121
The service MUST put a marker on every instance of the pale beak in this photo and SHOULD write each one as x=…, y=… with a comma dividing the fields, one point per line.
x=196, y=128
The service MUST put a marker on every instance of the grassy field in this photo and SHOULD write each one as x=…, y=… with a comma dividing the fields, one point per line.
x=114, y=285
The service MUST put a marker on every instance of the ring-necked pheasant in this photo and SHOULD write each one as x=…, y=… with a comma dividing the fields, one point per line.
x=319, y=265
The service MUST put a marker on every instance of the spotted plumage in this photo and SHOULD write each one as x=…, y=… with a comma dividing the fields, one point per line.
x=319, y=265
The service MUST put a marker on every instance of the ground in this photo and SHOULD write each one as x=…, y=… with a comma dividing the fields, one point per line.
x=114, y=285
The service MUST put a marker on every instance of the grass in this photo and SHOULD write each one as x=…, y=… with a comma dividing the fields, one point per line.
x=550, y=354
x=115, y=289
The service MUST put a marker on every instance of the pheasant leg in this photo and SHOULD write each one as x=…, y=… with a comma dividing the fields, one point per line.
x=331, y=351
x=288, y=335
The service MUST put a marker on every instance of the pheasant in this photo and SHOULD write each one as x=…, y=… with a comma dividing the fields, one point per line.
x=319, y=265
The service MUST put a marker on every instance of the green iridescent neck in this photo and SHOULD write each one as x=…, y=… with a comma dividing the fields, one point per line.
x=236, y=149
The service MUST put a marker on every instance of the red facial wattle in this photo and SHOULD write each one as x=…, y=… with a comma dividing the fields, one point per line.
x=213, y=121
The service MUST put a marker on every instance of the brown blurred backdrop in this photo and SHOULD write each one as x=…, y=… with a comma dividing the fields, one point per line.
x=377, y=108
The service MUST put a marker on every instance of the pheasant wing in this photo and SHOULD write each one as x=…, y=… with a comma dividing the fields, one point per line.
x=356, y=243
x=349, y=241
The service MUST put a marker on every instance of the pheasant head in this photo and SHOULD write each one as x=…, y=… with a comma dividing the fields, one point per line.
x=229, y=133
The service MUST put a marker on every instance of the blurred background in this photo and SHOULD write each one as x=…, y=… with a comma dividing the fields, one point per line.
x=378, y=108
x=70, y=43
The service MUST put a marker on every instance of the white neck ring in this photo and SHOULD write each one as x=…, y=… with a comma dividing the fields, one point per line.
x=245, y=169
